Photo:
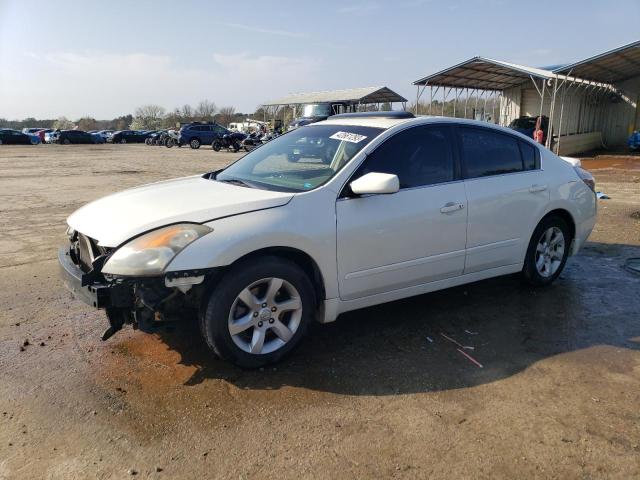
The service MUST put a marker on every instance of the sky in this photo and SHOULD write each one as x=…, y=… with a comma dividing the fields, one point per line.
x=105, y=58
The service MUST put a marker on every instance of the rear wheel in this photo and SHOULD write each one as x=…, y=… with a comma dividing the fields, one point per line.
x=258, y=312
x=194, y=143
x=216, y=145
x=124, y=140
x=66, y=141
x=548, y=251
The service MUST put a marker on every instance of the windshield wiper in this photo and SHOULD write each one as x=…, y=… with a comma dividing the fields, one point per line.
x=236, y=181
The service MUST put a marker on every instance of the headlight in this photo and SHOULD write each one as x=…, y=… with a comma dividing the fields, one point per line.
x=150, y=253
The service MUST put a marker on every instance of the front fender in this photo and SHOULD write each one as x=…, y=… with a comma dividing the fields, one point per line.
x=312, y=232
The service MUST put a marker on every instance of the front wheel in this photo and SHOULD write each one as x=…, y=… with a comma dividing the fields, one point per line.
x=124, y=140
x=216, y=145
x=548, y=251
x=258, y=312
x=66, y=141
x=169, y=143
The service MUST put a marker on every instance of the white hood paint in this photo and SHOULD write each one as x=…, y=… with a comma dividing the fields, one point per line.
x=116, y=218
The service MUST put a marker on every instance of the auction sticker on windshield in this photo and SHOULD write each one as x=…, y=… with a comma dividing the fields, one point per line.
x=348, y=137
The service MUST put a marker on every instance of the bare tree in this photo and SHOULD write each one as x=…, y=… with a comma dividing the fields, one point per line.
x=149, y=117
x=186, y=112
x=63, y=123
x=206, y=110
x=226, y=115
x=87, y=123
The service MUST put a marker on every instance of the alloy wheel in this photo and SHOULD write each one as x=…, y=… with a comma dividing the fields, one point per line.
x=550, y=252
x=265, y=316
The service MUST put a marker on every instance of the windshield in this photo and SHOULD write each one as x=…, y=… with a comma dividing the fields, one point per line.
x=320, y=110
x=301, y=159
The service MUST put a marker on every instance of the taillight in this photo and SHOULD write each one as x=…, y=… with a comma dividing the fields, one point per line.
x=586, y=177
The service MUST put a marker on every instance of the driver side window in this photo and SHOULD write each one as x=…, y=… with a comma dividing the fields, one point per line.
x=419, y=156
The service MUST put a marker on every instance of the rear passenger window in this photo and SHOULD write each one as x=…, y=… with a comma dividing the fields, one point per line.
x=489, y=153
x=418, y=156
x=528, y=156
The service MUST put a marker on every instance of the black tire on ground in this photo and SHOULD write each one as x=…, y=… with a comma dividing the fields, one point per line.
x=216, y=145
x=124, y=140
x=147, y=141
x=169, y=143
x=530, y=273
x=194, y=143
x=236, y=147
x=0, y=141
x=66, y=141
x=215, y=314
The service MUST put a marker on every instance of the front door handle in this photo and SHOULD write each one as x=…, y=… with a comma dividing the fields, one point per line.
x=537, y=188
x=451, y=207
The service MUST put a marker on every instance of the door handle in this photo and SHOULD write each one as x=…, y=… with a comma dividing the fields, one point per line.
x=451, y=207
x=537, y=188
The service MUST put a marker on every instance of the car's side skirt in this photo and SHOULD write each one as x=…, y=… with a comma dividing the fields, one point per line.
x=334, y=306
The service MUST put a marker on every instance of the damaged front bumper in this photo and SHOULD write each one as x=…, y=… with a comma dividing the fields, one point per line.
x=91, y=288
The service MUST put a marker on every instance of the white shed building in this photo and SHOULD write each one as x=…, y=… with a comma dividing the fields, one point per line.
x=589, y=104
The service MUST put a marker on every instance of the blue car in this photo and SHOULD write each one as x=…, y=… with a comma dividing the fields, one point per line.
x=527, y=125
x=195, y=134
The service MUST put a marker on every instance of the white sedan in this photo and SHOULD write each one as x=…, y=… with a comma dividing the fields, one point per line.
x=342, y=214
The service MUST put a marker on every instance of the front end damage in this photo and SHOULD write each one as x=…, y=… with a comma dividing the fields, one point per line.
x=146, y=303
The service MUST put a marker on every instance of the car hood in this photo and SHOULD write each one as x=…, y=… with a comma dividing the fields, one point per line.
x=116, y=218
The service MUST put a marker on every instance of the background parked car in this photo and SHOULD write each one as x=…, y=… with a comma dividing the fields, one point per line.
x=129, y=136
x=106, y=134
x=42, y=132
x=52, y=136
x=527, y=125
x=195, y=134
x=67, y=137
x=14, y=137
x=29, y=131
x=97, y=138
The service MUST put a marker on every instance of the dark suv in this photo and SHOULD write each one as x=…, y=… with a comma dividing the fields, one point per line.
x=195, y=134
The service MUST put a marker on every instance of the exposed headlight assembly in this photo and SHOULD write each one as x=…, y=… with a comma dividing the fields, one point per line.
x=149, y=254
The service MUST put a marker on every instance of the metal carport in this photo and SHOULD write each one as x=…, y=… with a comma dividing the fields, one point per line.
x=481, y=78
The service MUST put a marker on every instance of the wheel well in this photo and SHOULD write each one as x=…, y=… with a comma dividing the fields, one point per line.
x=566, y=216
x=300, y=258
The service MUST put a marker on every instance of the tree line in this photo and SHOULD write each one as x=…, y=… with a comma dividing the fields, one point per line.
x=145, y=117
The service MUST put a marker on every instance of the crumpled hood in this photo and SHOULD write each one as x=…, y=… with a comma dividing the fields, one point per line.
x=116, y=218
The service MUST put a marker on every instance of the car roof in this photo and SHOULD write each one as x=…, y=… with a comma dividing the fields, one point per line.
x=386, y=123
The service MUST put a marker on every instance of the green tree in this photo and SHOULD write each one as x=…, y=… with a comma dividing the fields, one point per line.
x=87, y=123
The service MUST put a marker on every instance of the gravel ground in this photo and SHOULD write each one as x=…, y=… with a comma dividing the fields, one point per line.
x=368, y=396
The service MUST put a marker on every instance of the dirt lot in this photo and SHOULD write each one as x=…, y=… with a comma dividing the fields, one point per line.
x=366, y=397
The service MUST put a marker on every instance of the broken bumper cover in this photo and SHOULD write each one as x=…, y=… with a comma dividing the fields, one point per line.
x=90, y=290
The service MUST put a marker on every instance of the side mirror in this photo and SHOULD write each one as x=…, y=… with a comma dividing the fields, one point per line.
x=375, y=183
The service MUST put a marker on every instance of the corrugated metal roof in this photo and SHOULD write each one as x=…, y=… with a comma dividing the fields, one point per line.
x=613, y=66
x=350, y=95
x=485, y=74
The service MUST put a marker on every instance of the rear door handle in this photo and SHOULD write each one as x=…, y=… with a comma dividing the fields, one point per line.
x=537, y=188
x=451, y=207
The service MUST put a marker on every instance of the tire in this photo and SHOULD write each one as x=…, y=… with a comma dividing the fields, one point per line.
x=169, y=143
x=194, y=143
x=66, y=141
x=224, y=304
x=0, y=141
x=235, y=147
x=148, y=141
x=123, y=141
x=216, y=145
x=542, y=265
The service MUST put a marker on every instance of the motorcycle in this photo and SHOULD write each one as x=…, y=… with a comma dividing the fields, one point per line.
x=172, y=139
x=230, y=141
x=256, y=139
